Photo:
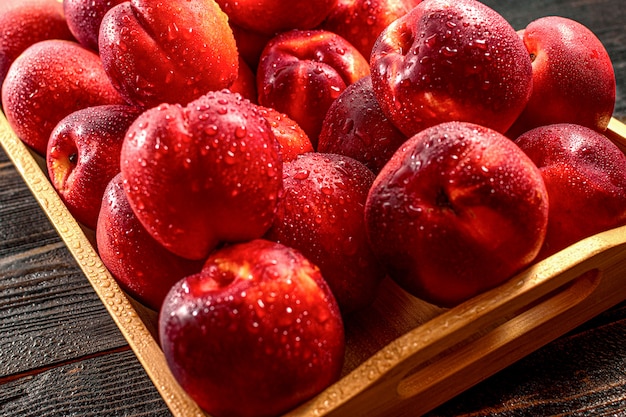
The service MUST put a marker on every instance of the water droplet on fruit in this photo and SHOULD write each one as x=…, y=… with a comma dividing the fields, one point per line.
x=413, y=210
x=229, y=158
x=172, y=31
x=302, y=175
x=169, y=77
x=431, y=41
x=448, y=52
x=480, y=44
x=335, y=91
x=271, y=170
x=211, y=130
x=240, y=132
x=122, y=45
x=253, y=327
x=347, y=126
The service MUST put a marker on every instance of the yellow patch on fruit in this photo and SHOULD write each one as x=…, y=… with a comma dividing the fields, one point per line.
x=61, y=169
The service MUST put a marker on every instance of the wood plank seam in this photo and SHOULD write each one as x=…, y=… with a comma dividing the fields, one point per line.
x=36, y=371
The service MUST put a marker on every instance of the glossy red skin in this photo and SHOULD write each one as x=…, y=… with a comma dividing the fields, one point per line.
x=356, y=126
x=84, y=18
x=84, y=155
x=256, y=333
x=25, y=22
x=292, y=139
x=585, y=175
x=167, y=52
x=321, y=214
x=457, y=210
x=302, y=72
x=73, y=78
x=444, y=61
x=275, y=16
x=573, y=77
x=203, y=174
x=140, y=265
x=360, y=22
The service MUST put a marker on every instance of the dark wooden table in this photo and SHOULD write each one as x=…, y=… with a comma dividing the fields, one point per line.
x=62, y=355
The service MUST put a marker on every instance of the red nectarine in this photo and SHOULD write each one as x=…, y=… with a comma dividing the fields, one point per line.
x=321, y=214
x=84, y=18
x=48, y=81
x=302, y=72
x=360, y=22
x=573, y=77
x=84, y=155
x=292, y=139
x=25, y=22
x=167, y=51
x=206, y=173
x=255, y=333
x=143, y=267
x=458, y=209
x=451, y=61
x=271, y=17
x=356, y=126
x=585, y=175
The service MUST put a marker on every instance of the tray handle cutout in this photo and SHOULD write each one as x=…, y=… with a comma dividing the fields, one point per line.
x=465, y=345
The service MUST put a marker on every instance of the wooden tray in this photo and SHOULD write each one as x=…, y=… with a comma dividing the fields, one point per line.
x=404, y=356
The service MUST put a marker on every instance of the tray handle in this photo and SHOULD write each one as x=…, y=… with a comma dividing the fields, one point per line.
x=464, y=345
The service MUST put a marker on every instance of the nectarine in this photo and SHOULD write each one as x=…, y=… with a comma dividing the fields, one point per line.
x=458, y=209
x=255, y=333
x=48, y=81
x=585, y=175
x=202, y=174
x=451, y=61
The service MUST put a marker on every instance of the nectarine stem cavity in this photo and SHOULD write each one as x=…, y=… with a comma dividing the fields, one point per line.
x=443, y=201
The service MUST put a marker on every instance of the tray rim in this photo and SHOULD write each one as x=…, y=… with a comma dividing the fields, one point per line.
x=140, y=338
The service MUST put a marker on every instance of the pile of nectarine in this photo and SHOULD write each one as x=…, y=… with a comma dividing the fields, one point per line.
x=253, y=169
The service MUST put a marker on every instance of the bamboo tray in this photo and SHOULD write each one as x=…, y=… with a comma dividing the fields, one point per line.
x=404, y=356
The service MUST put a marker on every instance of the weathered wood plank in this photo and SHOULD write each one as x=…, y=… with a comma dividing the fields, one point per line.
x=108, y=386
x=48, y=311
x=582, y=373
x=24, y=225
